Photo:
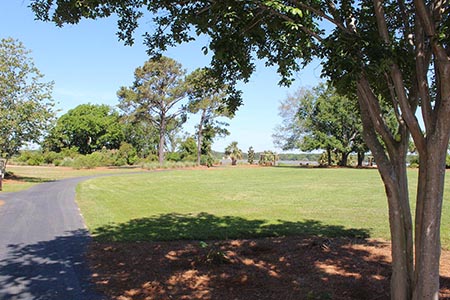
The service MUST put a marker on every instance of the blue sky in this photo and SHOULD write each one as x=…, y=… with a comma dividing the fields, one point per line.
x=88, y=64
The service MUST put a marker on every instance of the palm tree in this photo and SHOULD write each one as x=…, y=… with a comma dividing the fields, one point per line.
x=233, y=152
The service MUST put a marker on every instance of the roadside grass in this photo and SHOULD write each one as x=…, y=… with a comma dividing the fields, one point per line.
x=223, y=203
x=28, y=176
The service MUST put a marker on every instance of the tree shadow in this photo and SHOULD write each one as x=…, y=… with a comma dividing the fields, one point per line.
x=205, y=226
x=28, y=179
x=187, y=256
x=54, y=269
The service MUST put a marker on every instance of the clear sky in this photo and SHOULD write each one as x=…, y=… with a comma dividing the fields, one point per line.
x=88, y=65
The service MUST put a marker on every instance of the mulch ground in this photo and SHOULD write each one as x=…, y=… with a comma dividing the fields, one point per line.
x=254, y=269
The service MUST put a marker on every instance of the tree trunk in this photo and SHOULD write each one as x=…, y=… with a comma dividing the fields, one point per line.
x=430, y=192
x=329, y=156
x=162, y=131
x=400, y=222
x=200, y=136
x=428, y=220
x=360, y=159
x=392, y=168
x=344, y=159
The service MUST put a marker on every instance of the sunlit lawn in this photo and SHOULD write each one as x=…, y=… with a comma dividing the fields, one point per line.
x=28, y=176
x=240, y=202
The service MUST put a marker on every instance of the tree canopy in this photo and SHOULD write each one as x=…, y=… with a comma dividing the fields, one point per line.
x=155, y=96
x=384, y=52
x=208, y=97
x=321, y=119
x=26, y=104
x=88, y=128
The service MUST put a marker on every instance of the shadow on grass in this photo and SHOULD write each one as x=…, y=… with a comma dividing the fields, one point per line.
x=204, y=226
x=28, y=179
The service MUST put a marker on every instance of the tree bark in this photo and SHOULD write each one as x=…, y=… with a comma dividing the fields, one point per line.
x=392, y=169
x=344, y=159
x=428, y=221
x=162, y=131
x=360, y=158
x=329, y=156
x=430, y=192
x=200, y=136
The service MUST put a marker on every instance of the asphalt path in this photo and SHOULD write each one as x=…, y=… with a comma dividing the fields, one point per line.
x=42, y=244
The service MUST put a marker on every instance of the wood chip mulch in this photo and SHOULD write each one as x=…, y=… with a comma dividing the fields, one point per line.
x=253, y=269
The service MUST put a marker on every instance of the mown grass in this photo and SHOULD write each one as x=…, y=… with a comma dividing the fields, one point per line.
x=240, y=202
x=27, y=176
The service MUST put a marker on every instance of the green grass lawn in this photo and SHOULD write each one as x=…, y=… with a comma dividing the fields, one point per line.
x=27, y=176
x=240, y=202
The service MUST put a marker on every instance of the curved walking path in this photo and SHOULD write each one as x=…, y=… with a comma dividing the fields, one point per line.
x=42, y=243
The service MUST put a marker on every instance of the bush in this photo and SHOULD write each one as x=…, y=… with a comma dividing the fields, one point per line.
x=208, y=160
x=70, y=152
x=31, y=158
x=268, y=158
x=126, y=155
x=173, y=156
x=50, y=157
x=93, y=160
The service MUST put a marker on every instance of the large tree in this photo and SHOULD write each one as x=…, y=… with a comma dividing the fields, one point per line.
x=207, y=97
x=320, y=118
x=26, y=105
x=88, y=127
x=386, y=52
x=155, y=96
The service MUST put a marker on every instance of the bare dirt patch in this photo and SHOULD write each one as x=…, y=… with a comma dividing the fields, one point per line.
x=253, y=269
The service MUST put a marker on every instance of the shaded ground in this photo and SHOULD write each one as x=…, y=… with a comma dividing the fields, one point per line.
x=250, y=269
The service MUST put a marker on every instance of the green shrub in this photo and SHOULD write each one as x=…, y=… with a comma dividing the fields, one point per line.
x=50, y=157
x=66, y=162
x=126, y=155
x=173, y=156
x=89, y=161
x=268, y=158
x=31, y=158
x=70, y=152
x=208, y=160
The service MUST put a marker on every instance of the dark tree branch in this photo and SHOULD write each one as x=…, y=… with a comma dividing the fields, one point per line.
x=408, y=113
x=373, y=106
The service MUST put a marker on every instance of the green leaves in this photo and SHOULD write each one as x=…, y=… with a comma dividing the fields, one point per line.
x=87, y=127
x=26, y=104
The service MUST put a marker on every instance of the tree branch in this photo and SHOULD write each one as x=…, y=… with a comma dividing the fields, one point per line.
x=381, y=21
x=370, y=137
x=407, y=112
x=393, y=98
x=425, y=18
x=423, y=57
x=373, y=106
